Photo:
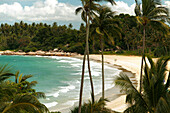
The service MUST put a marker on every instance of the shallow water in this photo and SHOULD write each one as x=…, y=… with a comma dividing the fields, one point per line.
x=59, y=77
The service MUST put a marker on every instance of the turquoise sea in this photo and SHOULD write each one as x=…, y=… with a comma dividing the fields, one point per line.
x=59, y=77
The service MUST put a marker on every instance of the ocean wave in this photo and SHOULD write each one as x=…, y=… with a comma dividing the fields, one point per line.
x=56, y=94
x=48, y=105
x=66, y=88
x=66, y=61
x=71, y=102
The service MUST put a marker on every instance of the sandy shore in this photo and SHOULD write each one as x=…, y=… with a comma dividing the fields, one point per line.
x=130, y=63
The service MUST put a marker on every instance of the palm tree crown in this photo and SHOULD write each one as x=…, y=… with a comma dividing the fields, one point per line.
x=155, y=97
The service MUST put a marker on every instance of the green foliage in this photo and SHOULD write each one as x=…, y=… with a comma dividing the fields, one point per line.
x=33, y=37
x=155, y=93
x=96, y=107
x=19, y=96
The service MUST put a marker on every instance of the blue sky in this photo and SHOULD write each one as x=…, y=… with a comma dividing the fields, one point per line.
x=49, y=11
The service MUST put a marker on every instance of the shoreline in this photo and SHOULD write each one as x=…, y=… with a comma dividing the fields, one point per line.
x=128, y=64
x=41, y=53
x=113, y=94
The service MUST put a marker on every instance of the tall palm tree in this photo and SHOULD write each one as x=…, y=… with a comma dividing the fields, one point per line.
x=151, y=13
x=155, y=97
x=87, y=11
x=104, y=25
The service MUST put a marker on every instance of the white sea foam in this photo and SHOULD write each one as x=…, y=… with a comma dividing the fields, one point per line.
x=56, y=94
x=66, y=89
x=95, y=73
x=47, y=98
x=48, y=105
x=71, y=103
x=76, y=65
x=66, y=61
x=72, y=90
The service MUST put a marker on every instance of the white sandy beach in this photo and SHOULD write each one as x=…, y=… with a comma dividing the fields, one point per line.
x=130, y=63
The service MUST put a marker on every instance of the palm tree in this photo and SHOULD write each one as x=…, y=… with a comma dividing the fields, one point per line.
x=24, y=103
x=25, y=87
x=5, y=72
x=155, y=97
x=104, y=25
x=19, y=96
x=94, y=107
x=151, y=13
x=87, y=11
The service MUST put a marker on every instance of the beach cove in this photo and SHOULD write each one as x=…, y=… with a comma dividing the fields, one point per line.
x=59, y=77
x=129, y=64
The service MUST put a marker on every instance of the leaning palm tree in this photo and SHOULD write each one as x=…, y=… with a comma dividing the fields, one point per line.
x=87, y=11
x=151, y=13
x=105, y=26
x=155, y=97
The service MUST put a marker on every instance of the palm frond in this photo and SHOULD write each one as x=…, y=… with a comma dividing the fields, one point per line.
x=27, y=103
x=25, y=77
x=163, y=105
x=78, y=10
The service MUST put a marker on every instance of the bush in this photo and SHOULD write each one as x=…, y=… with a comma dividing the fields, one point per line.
x=96, y=107
x=160, y=51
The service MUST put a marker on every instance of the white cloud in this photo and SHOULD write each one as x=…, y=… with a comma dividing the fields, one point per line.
x=122, y=7
x=52, y=10
x=49, y=10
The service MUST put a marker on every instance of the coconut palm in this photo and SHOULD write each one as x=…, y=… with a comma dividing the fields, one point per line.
x=87, y=11
x=155, y=97
x=19, y=96
x=104, y=25
x=25, y=87
x=12, y=100
x=151, y=13
x=94, y=107
x=5, y=72
x=24, y=103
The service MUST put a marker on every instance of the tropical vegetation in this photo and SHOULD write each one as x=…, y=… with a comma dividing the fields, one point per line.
x=93, y=107
x=153, y=14
x=19, y=96
x=103, y=33
x=155, y=94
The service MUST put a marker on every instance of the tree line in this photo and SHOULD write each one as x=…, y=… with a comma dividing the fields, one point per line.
x=40, y=36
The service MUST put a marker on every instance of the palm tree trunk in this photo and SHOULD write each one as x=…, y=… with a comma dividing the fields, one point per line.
x=82, y=82
x=83, y=68
x=102, y=43
x=88, y=60
x=143, y=55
